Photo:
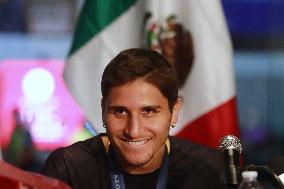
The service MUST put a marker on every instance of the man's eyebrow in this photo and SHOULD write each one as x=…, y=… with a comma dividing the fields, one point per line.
x=152, y=106
x=143, y=107
x=116, y=107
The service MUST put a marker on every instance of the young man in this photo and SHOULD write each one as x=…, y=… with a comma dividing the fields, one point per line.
x=140, y=104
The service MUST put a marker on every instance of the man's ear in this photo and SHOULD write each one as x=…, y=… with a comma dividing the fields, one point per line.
x=103, y=105
x=103, y=108
x=176, y=109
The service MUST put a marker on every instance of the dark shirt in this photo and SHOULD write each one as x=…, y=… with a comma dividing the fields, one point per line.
x=141, y=181
x=83, y=165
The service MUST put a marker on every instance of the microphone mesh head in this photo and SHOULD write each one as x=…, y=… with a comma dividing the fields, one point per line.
x=230, y=142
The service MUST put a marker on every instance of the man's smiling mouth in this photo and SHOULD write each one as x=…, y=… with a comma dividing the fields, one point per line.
x=136, y=142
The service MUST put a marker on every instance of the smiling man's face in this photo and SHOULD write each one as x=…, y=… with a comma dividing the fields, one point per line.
x=137, y=119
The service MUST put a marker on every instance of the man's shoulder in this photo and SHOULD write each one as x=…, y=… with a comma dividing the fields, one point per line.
x=191, y=164
x=74, y=164
x=80, y=150
x=188, y=154
x=185, y=146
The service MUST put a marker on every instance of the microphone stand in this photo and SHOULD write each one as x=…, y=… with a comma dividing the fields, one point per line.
x=231, y=148
x=231, y=176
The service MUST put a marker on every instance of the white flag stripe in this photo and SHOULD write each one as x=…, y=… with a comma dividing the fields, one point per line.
x=211, y=81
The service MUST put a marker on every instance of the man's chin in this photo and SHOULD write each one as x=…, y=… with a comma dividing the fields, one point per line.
x=137, y=161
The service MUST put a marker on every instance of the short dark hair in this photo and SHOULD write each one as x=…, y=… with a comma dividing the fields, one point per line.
x=149, y=65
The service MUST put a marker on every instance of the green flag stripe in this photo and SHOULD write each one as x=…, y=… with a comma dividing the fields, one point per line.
x=96, y=15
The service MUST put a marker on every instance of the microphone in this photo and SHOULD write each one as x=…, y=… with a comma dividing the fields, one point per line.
x=277, y=165
x=231, y=148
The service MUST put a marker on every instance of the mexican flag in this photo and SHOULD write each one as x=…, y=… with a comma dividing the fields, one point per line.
x=192, y=34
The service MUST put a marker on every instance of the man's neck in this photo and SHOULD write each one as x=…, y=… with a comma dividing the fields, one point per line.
x=154, y=164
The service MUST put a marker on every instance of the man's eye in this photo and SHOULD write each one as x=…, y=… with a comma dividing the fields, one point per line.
x=119, y=112
x=149, y=111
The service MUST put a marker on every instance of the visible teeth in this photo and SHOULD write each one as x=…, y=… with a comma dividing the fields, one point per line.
x=136, y=143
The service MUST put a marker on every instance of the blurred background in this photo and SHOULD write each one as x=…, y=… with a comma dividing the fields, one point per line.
x=35, y=37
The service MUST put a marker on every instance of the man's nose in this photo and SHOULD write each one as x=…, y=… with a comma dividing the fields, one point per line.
x=133, y=127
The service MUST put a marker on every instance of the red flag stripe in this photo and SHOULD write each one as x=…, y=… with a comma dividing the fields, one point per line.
x=212, y=126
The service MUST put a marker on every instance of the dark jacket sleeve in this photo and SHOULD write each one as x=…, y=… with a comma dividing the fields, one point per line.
x=194, y=166
x=203, y=176
x=56, y=166
x=81, y=165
